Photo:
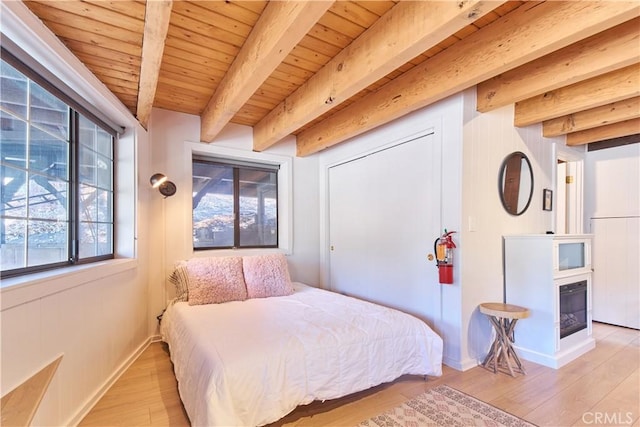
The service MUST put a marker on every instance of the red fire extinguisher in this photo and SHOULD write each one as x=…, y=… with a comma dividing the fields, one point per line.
x=443, y=247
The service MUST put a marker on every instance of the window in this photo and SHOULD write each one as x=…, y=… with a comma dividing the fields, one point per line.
x=235, y=204
x=57, y=172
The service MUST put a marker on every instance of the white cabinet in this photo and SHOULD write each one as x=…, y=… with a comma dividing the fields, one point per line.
x=541, y=272
x=616, y=271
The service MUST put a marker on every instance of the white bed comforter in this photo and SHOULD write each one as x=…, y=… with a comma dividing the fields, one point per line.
x=252, y=362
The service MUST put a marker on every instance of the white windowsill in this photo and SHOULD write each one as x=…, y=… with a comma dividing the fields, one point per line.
x=20, y=290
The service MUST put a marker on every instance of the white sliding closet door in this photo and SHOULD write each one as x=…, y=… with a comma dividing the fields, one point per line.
x=384, y=215
x=616, y=273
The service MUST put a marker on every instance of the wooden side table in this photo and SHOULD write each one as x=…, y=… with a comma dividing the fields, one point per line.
x=503, y=317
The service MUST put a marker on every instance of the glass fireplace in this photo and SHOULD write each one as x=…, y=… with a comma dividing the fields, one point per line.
x=573, y=308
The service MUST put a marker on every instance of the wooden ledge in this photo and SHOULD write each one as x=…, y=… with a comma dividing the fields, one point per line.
x=20, y=405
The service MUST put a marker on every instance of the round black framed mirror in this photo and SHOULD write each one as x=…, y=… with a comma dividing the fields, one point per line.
x=515, y=183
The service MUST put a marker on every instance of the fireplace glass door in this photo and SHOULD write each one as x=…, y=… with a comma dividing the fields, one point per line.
x=573, y=308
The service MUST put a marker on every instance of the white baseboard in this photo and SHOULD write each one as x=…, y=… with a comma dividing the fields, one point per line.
x=92, y=400
x=460, y=365
x=559, y=359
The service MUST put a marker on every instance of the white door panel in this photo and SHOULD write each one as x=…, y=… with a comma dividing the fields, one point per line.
x=348, y=212
x=384, y=214
x=616, y=271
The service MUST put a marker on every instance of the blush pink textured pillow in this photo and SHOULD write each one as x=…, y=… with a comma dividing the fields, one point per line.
x=266, y=276
x=215, y=280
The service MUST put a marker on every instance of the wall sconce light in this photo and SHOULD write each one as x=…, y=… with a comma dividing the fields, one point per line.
x=160, y=181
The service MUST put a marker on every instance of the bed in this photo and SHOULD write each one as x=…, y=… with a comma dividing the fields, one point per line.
x=250, y=362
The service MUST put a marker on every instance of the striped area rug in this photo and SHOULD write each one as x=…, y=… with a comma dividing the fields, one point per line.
x=444, y=406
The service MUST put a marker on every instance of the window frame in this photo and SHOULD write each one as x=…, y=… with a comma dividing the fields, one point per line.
x=73, y=217
x=237, y=167
x=285, y=190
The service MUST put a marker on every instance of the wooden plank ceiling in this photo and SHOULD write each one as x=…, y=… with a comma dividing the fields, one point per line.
x=326, y=71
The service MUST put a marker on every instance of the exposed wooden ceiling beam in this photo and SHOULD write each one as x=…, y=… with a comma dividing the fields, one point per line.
x=614, y=142
x=156, y=25
x=529, y=32
x=595, y=92
x=280, y=27
x=616, y=130
x=588, y=119
x=403, y=33
x=607, y=51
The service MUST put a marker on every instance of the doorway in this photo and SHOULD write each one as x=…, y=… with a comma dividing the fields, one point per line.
x=569, y=197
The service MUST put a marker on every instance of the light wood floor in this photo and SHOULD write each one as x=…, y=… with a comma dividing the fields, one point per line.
x=600, y=388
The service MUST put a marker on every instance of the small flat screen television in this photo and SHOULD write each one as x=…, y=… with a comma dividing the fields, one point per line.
x=571, y=255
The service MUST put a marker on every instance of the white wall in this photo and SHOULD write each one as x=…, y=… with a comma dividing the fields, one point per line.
x=94, y=315
x=488, y=139
x=98, y=325
x=173, y=136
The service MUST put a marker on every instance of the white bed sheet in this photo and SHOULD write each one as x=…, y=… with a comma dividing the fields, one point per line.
x=249, y=363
